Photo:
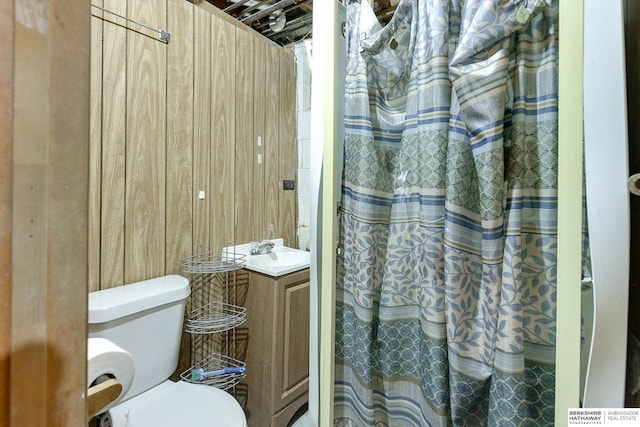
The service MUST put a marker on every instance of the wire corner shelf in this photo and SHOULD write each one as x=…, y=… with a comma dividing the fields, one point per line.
x=213, y=262
x=216, y=362
x=215, y=317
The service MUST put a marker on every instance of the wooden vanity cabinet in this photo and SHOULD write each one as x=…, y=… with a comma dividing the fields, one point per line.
x=277, y=356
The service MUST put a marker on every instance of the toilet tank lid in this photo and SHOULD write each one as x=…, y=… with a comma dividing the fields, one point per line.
x=113, y=303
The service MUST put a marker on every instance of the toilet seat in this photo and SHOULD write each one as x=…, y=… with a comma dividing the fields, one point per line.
x=171, y=404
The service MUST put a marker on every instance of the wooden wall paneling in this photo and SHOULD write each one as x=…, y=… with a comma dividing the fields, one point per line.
x=145, y=174
x=67, y=208
x=272, y=143
x=6, y=180
x=49, y=213
x=95, y=147
x=114, y=119
x=202, y=127
x=223, y=95
x=245, y=159
x=180, y=130
x=288, y=148
x=29, y=240
x=219, y=14
x=259, y=105
x=179, y=178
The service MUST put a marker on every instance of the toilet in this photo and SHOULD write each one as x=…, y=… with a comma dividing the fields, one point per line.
x=145, y=318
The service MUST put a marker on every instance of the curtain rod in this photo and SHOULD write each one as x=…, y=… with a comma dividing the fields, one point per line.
x=162, y=34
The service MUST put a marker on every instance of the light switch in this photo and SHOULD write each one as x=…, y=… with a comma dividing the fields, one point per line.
x=201, y=195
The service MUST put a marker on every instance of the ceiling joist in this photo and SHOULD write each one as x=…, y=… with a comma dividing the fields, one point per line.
x=258, y=14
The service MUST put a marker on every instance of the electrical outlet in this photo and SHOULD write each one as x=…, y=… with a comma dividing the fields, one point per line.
x=288, y=184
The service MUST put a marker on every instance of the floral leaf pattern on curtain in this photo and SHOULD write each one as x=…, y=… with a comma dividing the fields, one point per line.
x=447, y=284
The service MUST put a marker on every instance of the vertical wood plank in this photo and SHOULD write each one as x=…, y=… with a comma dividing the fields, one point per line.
x=145, y=213
x=29, y=239
x=67, y=204
x=244, y=137
x=272, y=143
x=180, y=130
x=179, y=181
x=6, y=180
x=114, y=119
x=202, y=127
x=288, y=148
x=223, y=132
x=49, y=213
x=259, y=104
x=95, y=144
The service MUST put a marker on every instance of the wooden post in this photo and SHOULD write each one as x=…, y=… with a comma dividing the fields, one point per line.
x=44, y=96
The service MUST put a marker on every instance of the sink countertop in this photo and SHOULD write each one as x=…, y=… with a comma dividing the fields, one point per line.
x=280, y=261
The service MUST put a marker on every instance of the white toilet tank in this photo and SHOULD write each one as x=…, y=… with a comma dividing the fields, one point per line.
x=144, y=318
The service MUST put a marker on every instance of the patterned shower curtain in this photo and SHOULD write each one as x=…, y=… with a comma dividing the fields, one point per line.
x=446, y=293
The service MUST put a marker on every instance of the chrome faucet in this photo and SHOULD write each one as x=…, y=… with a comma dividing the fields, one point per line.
x=261, y=248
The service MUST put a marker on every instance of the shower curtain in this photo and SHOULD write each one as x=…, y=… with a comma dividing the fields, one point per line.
x=446, y=290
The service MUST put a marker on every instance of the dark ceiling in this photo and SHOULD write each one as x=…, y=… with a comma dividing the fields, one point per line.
x=262, y=16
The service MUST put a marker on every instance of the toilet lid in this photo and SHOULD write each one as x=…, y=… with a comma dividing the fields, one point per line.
x=179, y=403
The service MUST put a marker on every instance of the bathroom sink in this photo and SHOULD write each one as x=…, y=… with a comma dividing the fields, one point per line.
x=280, y=261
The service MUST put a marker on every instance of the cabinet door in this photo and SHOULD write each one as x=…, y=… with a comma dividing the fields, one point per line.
x=292, y=342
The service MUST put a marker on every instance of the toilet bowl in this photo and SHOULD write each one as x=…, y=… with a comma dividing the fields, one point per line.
x=171, y=404
x=145, y=319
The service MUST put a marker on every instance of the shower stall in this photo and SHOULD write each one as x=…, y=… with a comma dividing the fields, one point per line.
x=443, y=219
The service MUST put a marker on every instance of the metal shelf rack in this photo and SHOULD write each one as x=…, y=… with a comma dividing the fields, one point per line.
x=214, y=312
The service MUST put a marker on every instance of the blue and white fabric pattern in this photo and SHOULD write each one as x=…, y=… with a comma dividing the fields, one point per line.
x=446, y=290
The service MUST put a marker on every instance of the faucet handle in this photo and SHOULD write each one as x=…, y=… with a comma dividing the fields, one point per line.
x=261, y=248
